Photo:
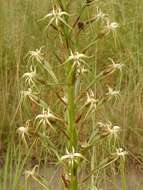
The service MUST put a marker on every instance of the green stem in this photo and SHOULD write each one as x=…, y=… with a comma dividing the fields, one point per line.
x=72, y=131
x=71, y=117
x=123, y=176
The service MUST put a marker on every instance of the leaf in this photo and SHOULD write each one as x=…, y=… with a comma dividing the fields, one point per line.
x=48, y=68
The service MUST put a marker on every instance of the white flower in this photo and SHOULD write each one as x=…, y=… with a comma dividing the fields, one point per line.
x=35, y=55
x=115, y=66
x=23, y=131
x=91, y=100
x=115, y=129
x=111, y=27
x=28, y=93
x=112, y=93
x=81, y=70
x=109, y=129
x=77, y=59
x=72, y=157
x=56, y=16
x=25, y=93
x=65, y=100
x=91, y=103
x=30, y=76
x=100, y=15
x=120, y=153
x=45, y=118
x=30, y=173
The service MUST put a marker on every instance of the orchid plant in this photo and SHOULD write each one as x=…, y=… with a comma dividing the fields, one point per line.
x=77, y=107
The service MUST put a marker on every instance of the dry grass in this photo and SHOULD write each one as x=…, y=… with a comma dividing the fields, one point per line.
x=21, y=32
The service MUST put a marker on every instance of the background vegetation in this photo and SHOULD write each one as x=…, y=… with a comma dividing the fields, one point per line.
x=20, y=31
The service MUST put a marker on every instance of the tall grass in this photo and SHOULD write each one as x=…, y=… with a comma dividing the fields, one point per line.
x=21, y=31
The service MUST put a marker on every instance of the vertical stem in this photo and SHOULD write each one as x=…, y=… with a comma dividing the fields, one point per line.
x=72, y=131
x=123, y=176
x=71, y=112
